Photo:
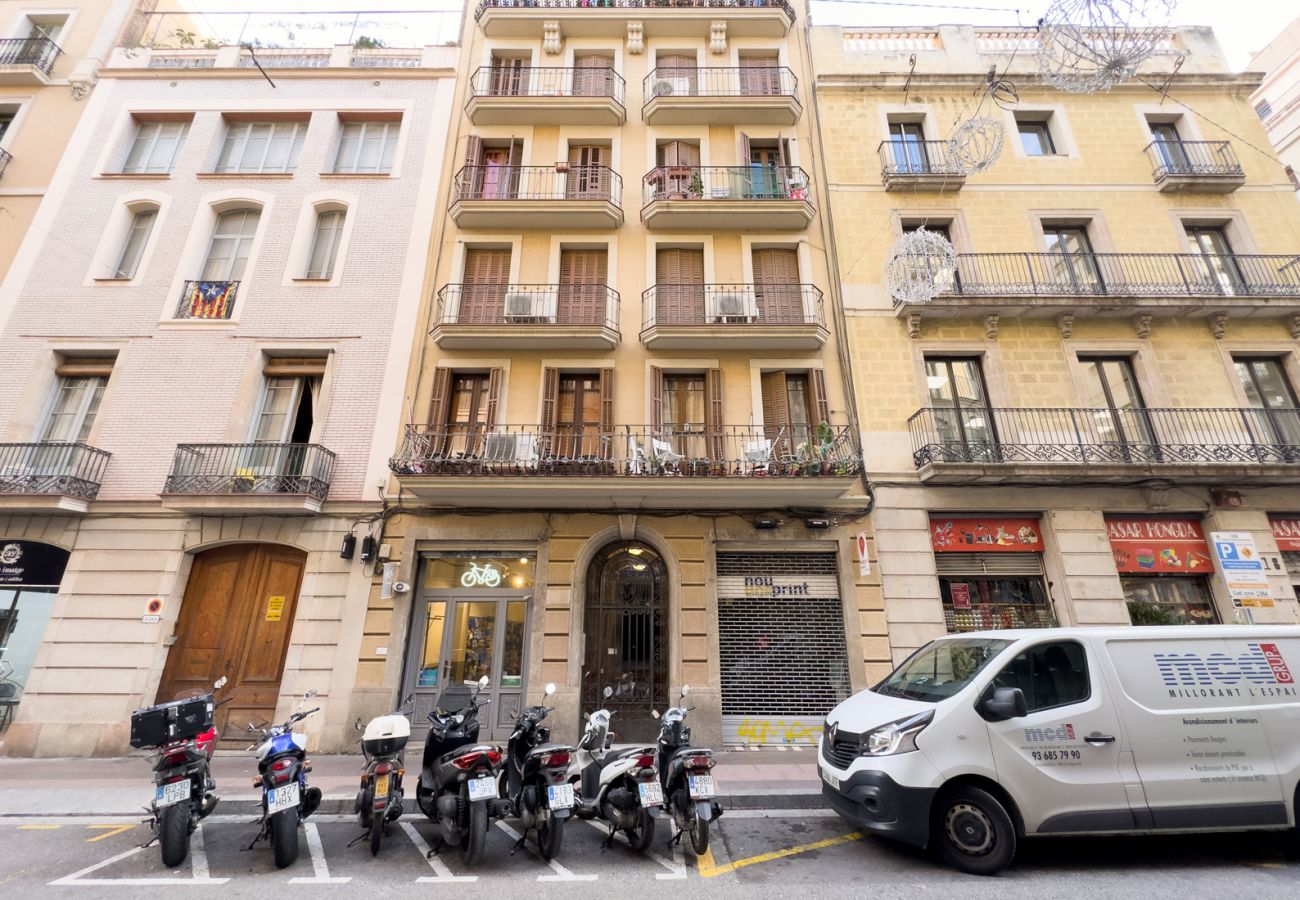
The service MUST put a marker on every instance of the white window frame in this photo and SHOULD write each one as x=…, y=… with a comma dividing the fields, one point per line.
x=96, y=392
x=240, y=133
x=241, y=238
x=153, y=142
x=335, y=237
x=140, y=246
x=389, y=135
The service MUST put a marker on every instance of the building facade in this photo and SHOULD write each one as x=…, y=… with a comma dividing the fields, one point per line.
x=205, y=337
x=1277, y=99
x=631, y=460
x=1106, y=380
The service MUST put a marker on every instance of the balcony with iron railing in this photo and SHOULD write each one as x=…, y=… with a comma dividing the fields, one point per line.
x=207, y=300
x=552, y=197
x=654, y=18
x=1205, y=167
x=539, y=95
x=736, y=316
x=585, y=465
x=50, y=476
x=1059, y=445
x=727, y=198
x=27, y=61
x=748, y=95
x=261, y=477
x=526, y=317
x=919, y=166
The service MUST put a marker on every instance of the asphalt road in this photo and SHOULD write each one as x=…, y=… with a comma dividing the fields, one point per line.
x=754, y=854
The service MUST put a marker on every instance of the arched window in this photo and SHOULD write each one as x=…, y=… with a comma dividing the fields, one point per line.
x=326, y=238
x=137, y=238
x=232, y=241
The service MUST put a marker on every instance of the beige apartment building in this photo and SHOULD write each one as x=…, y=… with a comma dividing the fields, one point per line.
x=1099, y=408
x=631, y=460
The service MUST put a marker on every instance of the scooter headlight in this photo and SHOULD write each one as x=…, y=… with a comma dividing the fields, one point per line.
x=898, y=736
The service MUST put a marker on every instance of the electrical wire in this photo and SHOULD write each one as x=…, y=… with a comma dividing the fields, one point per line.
x=943, y=6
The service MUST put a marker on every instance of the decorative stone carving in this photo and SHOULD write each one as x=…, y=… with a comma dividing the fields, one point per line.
x=626, y=526
x=718, y=37
x=1293, y=325
x=1065, y=322
x=914, y=325
x=1218, y=323
x=80, y=89
x=1156, y=495
x=635, y=38
x=552, y=41
x=1142, y=325
x=991, y=326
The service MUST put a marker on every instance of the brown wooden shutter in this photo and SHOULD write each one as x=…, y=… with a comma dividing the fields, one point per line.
x=821, y=404
x=85, y=367
x=782, y=158
x=487, y=272
x=295, y=367
x=776, y=286
x=473, y=150
x=713, y=415
x=679, y=296
x=776, y=410
x=441, y=393
x=744, y=149
x=592, y=75
x=607, y=400
x=550, y=391
x=656, y=398
x=583, y=275
x=470, y=184
x=494, y=397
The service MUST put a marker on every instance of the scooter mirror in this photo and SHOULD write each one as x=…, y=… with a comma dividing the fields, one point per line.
x=219, y=683
x=550, y=689
x=609, y=692
x=654, y=713
x=686, y=689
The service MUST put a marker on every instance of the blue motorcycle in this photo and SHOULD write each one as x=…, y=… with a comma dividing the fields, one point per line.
x=282, y=767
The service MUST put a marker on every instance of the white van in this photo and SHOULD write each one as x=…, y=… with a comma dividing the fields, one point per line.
x=981, y=738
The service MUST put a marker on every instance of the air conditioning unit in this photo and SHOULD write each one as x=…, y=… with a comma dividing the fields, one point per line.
x=667, y=87
x=730, y=308
x=521, y=307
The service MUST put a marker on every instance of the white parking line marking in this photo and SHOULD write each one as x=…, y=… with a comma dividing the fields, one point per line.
x=561, y=873
x=318, y=864
x=198, y=854
x=444, y=873
x=676, y=866
x=76, y=879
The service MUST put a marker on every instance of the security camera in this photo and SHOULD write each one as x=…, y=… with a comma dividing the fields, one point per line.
x=400, y=587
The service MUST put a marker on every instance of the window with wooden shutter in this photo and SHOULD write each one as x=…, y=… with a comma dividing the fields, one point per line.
x=759, y=75
x=607, y=400
x=550, y=390
x=679, y=286
x=820, y=403
x=470, y=185
x=681, y=73
x=483, y=292
x=85, y=367
x=583, y=276
x=714, y=421
x=776, y=411
x=776, y=286
x=656, y=398
x=494, y=397
x=295, y=366
x=509, y=74
x=593, y=76
x=588, y=172
x=438, y=411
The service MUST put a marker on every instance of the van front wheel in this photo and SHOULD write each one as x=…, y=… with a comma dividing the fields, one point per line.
x=973, y=832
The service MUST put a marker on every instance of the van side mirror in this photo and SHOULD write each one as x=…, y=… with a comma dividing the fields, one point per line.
x=1003, y=703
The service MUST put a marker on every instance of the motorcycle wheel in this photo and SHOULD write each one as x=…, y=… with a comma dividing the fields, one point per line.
x=642, y=834
x=699, y=835
x=474, y=843
x=376, y=833
x=284, y=837
x=174, y=834
x=550, y=836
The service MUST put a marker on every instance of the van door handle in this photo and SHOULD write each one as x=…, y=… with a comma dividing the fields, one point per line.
x=1096, y=738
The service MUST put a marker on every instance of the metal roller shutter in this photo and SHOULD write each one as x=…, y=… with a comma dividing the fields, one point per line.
x=989, y=563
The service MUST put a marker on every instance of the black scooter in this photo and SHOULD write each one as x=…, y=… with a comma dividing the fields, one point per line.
x=686, y=775
x=458, y=778
x=379, y=798
x=536, y=779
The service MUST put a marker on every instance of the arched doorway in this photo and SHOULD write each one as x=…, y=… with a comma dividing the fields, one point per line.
x=235, y=621
x=626, y=628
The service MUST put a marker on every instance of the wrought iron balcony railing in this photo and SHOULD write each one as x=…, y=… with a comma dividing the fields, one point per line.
x=539, y=81
x=596, y=5
x=1124, y=275
x=256, y=468
x=52, y=468
x=5, y=157
x=755, y=182
x=1192, y=158
x=30, y=51
x=746, y=81
x=628, y=451
x=917, y=158
x=207, y=300
x=528, y=304
x=1147, y=437
x=731, y=304
x=537, y=183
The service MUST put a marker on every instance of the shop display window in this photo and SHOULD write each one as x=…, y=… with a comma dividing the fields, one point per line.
x=1155, y=600
x=979, y=602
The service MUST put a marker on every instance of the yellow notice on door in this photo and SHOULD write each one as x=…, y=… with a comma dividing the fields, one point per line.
x=274, y=608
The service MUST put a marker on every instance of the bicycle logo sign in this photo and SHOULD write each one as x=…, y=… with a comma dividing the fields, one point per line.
x=481, y=576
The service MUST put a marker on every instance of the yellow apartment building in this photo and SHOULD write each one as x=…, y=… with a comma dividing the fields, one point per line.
x=631, y=459
x=1099, y=409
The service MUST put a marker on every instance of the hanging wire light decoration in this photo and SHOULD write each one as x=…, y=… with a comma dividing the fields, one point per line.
x=1087, y=46
x=920, y=266
x=976, y=144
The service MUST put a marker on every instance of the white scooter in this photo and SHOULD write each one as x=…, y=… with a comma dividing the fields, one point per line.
x=620, y=787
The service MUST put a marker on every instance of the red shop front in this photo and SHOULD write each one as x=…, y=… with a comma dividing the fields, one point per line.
x=1286, y=531
x=991, y=572
x=1164, y=564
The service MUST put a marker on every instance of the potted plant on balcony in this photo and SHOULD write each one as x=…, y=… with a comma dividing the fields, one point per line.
x=695, y=190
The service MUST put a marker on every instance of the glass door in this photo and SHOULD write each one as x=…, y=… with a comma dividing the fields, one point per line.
x=1120, y=420
x=24, y=613
x=1269, y=390
x=963, y=421
x=908, y=148
x=1072, y=265
x=1169, y=144
x=1219, y=265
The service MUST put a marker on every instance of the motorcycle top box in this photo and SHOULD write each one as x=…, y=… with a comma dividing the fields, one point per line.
x=386, y=735
x=179, y=720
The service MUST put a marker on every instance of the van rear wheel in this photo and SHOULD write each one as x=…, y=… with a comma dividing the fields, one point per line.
x=972, y=831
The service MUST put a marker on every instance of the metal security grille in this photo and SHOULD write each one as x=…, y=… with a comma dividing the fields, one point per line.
x=989, y=563
x=783, y=657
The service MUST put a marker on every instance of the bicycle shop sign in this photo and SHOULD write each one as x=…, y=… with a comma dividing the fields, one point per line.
x=31, y=564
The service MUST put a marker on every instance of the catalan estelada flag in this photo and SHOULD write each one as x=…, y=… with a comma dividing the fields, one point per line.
x=211, y=299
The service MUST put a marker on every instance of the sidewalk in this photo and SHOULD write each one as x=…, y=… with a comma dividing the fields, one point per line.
x=765, y=779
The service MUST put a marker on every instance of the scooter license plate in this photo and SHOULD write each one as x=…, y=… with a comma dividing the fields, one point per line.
x=175, y=792
x=482, y=788
x=281, y=798
x=701, y=787
x=381, y=786
x=652, y=793
x=559, y=796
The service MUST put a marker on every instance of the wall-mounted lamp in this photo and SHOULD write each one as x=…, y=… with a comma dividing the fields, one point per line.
x=349, y=546
x=368, y=548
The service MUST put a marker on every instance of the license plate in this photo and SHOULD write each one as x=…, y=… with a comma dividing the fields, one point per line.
x=482, y=788
x=559, y=796
x=831, y=779
x=281, y=798
x=652, y=793
x=381, y=786
x=176, y=792
x=701, y=787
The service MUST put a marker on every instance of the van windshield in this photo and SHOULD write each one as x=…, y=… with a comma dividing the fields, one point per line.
x=940, y=669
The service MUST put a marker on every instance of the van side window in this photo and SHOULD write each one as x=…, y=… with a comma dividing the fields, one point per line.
x=1049, y=675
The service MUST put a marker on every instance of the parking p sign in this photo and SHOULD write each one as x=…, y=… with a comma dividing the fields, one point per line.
x=1242, y=567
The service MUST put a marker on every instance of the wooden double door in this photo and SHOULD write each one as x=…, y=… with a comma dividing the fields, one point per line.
x=235, y=621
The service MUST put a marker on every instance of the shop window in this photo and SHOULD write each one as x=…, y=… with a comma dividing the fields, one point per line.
x=1168, y=600
x=1049, y=675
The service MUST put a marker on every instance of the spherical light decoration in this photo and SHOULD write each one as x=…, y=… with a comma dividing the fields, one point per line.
x=976, y=145
x=920, y=266
x=1087, y=46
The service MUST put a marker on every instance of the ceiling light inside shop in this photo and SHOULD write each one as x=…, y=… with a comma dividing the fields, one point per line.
x=635, y=551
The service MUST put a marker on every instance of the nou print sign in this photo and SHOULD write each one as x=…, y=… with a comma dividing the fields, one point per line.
x=950, y=534
x=1286, y=530
x=1159, y=546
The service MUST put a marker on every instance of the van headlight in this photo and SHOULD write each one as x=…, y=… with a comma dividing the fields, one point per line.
x=898, y=736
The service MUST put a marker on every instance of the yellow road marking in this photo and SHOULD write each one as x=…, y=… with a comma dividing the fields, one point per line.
x=113, y=829
x=709, y=869
x=38, y=827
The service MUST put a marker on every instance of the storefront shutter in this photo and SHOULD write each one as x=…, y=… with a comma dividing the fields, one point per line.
x=958, y=564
